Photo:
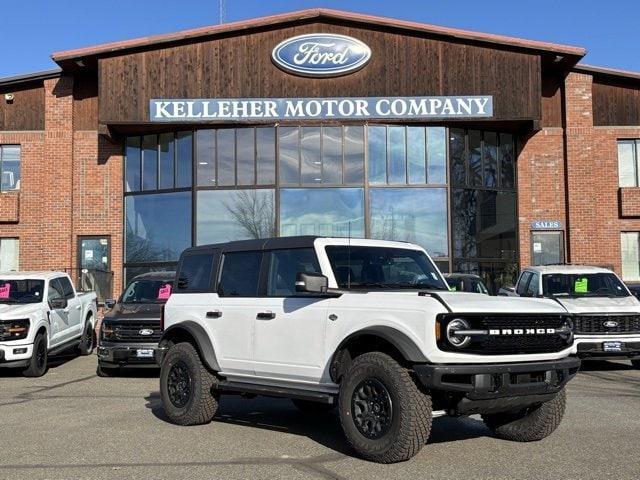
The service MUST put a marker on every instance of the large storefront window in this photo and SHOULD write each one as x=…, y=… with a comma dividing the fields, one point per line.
x=483, y=205
x=158, y=227
x=376, y=181
x=417, y=215
x=226, y=215
x=303, y=211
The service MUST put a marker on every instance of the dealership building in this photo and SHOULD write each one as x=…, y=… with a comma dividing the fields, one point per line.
x=491, y=152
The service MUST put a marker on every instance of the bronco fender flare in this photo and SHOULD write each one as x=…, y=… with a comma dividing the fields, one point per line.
x=196, y=334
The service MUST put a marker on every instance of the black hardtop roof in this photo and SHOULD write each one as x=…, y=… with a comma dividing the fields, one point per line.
x=461, y=275
x=260, y=244
x=161, y=275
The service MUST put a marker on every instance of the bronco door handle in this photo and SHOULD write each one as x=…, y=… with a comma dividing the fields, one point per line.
x=266, y=316
x=214, y=314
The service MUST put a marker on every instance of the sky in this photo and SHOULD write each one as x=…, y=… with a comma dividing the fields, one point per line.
x=33, y=29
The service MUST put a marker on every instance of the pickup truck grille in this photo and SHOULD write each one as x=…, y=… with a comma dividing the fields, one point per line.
x=607, y=324
x=509, y=334
x=129, y=331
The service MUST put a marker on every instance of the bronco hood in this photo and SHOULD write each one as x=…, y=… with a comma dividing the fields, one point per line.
x=628, y=304
x=460, y=302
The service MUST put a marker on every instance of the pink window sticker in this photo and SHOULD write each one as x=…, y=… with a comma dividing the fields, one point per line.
x=164, y=292
x=5, y=290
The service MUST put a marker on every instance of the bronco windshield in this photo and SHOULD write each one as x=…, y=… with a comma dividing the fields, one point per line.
x=583, y=285
x=362, y=267
x=21, y=291
x=147, y=291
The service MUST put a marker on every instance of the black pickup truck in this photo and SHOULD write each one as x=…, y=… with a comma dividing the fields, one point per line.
x=131, y=328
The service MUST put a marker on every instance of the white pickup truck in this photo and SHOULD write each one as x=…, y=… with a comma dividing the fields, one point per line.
x=606, y=316
x=368, y=326
x=41, y=314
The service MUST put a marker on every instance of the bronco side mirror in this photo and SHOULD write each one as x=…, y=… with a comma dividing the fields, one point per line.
x=311, y=283
x=109, y=303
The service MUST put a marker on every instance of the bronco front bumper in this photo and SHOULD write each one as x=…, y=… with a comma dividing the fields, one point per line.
x=488, y=388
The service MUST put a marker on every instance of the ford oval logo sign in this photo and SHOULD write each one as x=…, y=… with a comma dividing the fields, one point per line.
x=146, y=331
x=610, y=324
x=321, y=55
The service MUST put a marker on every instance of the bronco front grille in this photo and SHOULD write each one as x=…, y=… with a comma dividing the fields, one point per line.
x=133, y=331
x=607, y=324
x=510, y=334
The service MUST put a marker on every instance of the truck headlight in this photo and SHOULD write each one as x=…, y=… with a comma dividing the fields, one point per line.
x=106, y=330
x=14, y=329
x=454, y=338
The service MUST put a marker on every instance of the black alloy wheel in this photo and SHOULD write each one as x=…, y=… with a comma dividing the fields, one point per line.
x=179, y=384
x=372, y=408
x=41, y=355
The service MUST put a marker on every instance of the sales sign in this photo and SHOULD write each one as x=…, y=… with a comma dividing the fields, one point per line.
x=364, y=108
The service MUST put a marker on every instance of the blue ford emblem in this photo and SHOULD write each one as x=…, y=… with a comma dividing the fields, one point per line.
x=610, y=324
x=321, y=55
x=146, y=331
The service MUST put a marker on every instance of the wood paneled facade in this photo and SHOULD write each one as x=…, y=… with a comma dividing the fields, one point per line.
x=240, y=67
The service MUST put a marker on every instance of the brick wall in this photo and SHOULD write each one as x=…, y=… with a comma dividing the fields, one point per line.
x=629, y=202
x=541, y=187
x=71, y=185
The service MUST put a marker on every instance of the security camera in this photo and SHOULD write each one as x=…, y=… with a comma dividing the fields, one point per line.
x=8, y=97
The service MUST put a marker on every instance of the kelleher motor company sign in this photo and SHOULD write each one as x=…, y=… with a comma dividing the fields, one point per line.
x=251, y=109
x=320, y=55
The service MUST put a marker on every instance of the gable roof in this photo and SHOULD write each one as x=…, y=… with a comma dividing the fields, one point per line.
x=311, y=14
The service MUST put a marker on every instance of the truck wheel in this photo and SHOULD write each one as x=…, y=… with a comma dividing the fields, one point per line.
x=38, y=363
x=384, y=415
x=312, y=408
x=186, y=387
x=531, y=424
x=106, y=372
x=635, y=363
x=87, y=342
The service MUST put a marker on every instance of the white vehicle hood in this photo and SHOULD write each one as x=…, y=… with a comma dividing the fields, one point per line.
x=18, y=311
x=460, y=302
x=601, y=304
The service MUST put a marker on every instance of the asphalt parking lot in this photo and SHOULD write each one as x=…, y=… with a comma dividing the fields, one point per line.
x=72, y=424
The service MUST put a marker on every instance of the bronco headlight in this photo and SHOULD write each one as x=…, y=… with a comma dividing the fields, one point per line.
x=454, y=333
x=14, y=329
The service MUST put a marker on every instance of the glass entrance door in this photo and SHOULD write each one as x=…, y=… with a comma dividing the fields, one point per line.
x=94, y=266
x=547, y=248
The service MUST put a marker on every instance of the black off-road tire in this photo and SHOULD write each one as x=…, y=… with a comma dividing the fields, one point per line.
x=106, y=372
x=88, y=340
x=39, y=359
x=197, y=404
x=312, y=408
x=635, y=363
x=531, y=424
x=410, y=421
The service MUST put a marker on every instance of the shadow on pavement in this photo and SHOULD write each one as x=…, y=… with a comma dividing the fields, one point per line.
x=279, y=415
x=604, y=365
x=52, y=363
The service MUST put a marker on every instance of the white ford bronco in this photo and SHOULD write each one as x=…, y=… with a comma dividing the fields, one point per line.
x=367, y=326
x=41, y=314
x=605, y=315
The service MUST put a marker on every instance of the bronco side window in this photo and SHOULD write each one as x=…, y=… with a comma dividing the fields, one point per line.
x=284, y=266
x=196, y=271
x=240, y=276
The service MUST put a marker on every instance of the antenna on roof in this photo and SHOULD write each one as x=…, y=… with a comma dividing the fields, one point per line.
x=349, y=259
x=221, y=12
